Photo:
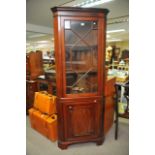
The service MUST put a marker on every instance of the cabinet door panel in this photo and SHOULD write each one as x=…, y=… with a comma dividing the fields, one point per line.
x=81, y=120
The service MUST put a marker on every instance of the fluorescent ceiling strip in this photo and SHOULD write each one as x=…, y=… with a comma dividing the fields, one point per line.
x=36, y=35
x=43, y=41
x=96, y=3
x=114, y=31
x=114, y=40
x=42, y=45
x=90, y=3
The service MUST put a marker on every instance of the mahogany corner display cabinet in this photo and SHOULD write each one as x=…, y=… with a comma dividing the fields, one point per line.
x=80, y=35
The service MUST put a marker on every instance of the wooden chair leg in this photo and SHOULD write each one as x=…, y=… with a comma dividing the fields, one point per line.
x=116, y=128
x=125, y=115
x=116, y=112
x=127, y=108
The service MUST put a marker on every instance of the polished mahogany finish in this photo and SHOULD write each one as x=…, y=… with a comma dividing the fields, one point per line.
x=80, y=74
x=109, y=104
x=34, y=68
x=35, y=62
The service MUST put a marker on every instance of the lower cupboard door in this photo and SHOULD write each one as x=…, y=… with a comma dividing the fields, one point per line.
x=82, y=120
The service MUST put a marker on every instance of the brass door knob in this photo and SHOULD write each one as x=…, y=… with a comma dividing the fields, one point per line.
x=70, y=107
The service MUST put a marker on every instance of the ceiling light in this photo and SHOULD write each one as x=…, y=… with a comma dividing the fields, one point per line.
x=108, y=36
x=114, y=31
x=43, y=41
x=114, y=40
x=42, y=46
x=37, y=35
x=90, y=3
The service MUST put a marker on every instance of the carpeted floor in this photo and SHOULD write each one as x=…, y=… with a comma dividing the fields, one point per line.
x=36, y=144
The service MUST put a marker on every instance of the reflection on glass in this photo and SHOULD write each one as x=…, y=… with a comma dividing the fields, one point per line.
x=81, y=56
x=67, y=24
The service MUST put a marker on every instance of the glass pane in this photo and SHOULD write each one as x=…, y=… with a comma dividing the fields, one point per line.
x=81, y=57
x=67, y=24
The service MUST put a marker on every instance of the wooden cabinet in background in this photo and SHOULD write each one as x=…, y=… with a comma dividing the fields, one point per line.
x=31, y=88
x=27, y=67
x=34, y=68
x=80, y=73
x=34, y=64
x=44, y=85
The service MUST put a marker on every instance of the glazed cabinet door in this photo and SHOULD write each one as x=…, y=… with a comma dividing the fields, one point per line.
x=81, y=54
x=82, y=120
